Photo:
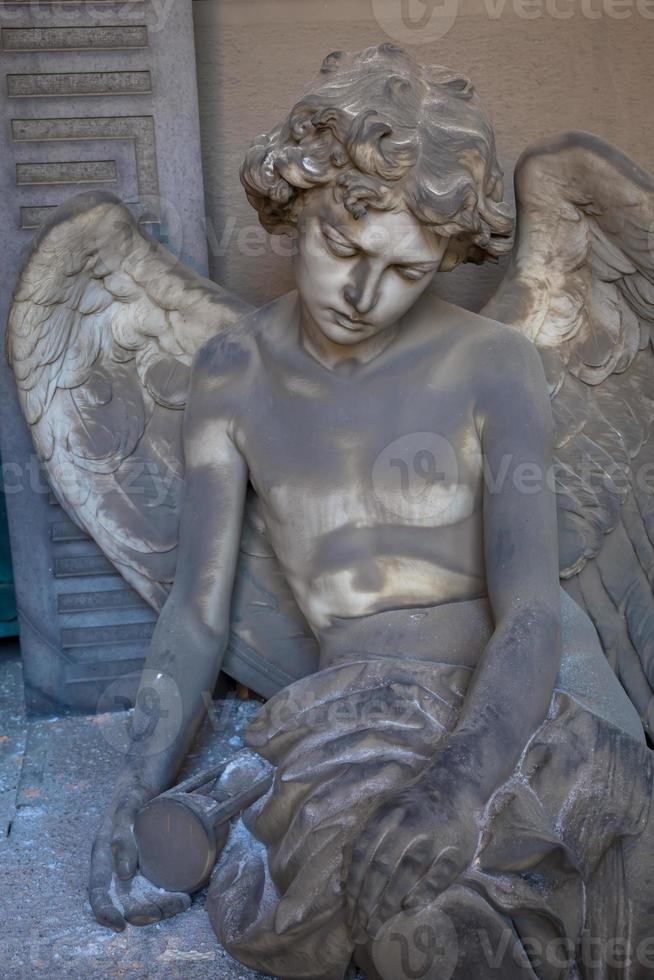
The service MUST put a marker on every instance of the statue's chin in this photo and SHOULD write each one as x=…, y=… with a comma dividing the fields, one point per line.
x=341, y=329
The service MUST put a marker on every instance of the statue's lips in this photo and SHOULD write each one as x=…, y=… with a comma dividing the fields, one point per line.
x=345, y=321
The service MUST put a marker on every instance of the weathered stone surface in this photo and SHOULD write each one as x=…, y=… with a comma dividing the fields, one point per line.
x=73, y=38
x=70, y=172
x=92, y=83
x=462, y=745
x=86, y=101
x=139, y=129
x=51, y=805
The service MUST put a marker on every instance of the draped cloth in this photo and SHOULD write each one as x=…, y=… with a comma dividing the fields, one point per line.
x=550, y=868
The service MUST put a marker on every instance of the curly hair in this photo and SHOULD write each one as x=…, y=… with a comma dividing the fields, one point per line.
x=387, y=133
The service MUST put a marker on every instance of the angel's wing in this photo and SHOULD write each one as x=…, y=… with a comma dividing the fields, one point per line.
x=101, y=334
x=581, y=286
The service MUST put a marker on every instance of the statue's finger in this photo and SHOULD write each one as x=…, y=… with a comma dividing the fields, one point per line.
x=101, y=858
x=379, y=874
x=359, y=860
x=144, y=904
x=123, y=843
x=104, y=910
x=172, y=903
x=409, y=870
x=100, y=876
x=443, y=873
x=356, y=868
x=125, y=856
x=139, y=908
x=379, y=867
x=143, y=915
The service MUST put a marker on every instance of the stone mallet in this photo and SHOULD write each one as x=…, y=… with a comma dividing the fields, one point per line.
x=180, y=833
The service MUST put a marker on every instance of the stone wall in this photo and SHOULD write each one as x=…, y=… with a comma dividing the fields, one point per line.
x=93, y=96
x=541, y=66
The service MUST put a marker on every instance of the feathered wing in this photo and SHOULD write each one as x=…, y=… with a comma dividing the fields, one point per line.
x=581, y=286
x=101, y=335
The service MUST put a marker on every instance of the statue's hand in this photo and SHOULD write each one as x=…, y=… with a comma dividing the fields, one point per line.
x=414, y=847
x=114, y=861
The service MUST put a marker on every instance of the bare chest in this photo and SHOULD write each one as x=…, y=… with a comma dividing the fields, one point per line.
x=393, y=448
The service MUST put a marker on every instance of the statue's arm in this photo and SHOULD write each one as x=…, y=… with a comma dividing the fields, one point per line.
x=417, y=843
x=511, y=689
x=190, y=637
x=192, y=631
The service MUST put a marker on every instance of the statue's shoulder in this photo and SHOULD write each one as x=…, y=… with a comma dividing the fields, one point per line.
x=505, y=368
x=483, y=334
x=494, y=359
x=242, y=346
x=495, y=347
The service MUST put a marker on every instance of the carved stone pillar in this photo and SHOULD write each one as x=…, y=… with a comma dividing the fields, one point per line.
x=93, y=94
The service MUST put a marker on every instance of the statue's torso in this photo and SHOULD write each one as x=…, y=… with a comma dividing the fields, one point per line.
x=383, y=546
x=370, y=479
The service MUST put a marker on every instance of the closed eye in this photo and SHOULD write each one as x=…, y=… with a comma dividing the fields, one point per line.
x=337, y=243
x=412, y=272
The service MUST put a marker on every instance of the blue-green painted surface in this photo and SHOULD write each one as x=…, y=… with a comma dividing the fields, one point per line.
x=8, y=619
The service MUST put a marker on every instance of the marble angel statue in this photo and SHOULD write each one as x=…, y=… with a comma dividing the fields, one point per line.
x=455, y=510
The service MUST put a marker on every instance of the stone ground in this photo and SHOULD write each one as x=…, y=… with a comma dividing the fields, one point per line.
x=56, y=779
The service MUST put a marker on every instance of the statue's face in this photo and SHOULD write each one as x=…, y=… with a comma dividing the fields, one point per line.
x=357, y=278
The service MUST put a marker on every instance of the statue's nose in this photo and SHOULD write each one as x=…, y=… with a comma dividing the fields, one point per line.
x=362, y=292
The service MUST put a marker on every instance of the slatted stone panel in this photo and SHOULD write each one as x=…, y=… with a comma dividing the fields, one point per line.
x=93, y=95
